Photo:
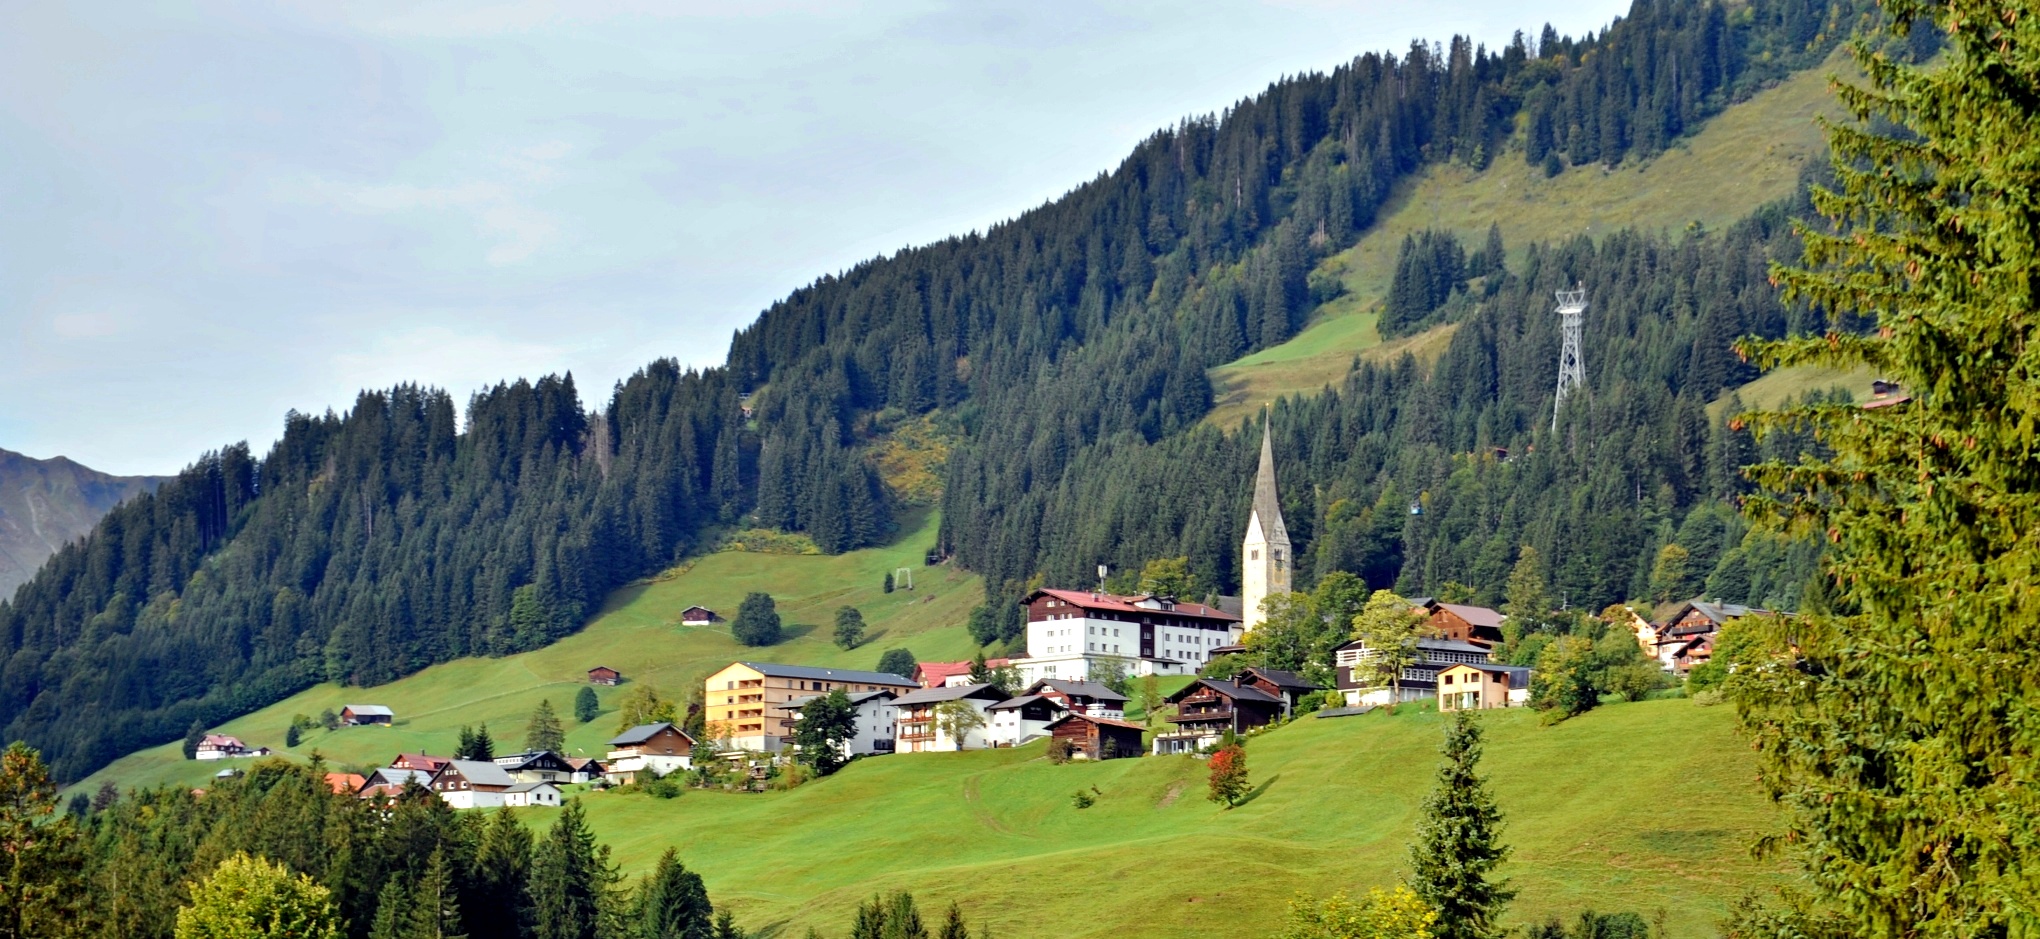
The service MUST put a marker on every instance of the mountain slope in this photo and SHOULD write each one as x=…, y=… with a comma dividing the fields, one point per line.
x=46, y=504
x=1753, y=153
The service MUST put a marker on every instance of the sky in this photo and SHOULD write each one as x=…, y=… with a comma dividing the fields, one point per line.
x=213, y=212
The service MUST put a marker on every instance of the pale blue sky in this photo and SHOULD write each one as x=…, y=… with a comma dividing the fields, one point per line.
x=211, y=212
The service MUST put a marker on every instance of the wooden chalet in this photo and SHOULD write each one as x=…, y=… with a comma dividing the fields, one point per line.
x=1098, y=738
x=1461, y=623
x=1083, y=697
x=698, y=616
x=536, y=766
x=1289, y=686
x=220, y=747
x=585, y=769
x=355, y=715
x=1208, y=707
x=604, y=675
x=654, y=749
x=1686, y=637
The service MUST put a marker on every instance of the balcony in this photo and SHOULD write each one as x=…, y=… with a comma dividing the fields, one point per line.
x=916, y=736
x=1213, y=716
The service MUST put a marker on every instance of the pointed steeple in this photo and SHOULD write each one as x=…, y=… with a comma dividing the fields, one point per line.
x=1266, y=505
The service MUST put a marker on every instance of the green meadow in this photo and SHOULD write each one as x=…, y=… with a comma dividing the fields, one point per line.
x=1748, y=155
x=1640, y=807
x=638, y=633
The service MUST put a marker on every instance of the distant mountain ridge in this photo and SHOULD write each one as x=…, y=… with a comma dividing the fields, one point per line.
x=45, y=504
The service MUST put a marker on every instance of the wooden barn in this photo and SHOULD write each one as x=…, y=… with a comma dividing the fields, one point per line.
x=1097, y=738
x=604, y=675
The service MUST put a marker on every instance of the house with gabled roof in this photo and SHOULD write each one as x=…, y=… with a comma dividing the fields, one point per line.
x=1074, y=634
x=531, y=793
x=1686, y=637
x=471, y=784
x=920, y=730
x=1289, y=686
x=356, y=715
x=1083, y=697
x=1208, y=707
x=604, y=675
x=1418, y=681
x=746, y=701
x=220, y=747
x=345, y=784
x=420, y=761
x=657, y=749
x=1015, y=721
x=698, y=616
x=1461, y=622
x=1098, y=738
x=536, y=766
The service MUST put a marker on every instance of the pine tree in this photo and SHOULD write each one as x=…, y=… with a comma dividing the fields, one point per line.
x=672, y=903
x=586, y=705
x=192, y=738
x=1892, y=723
x=1458, y=843
x=392, y=911
x=1529, y=602
x=544, y=732
x=41, y=864
x=726, y=926
x=570, y=879
x=888, y=588
x=483, y=747
x=435, y=902
x=502, y=870
x=952, y=924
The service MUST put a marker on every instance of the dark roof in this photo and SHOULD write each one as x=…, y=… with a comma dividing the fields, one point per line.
x=1023, y=701
x=776, y=670
x=1434, y=645
x=1232, y=690
x=1093, y=600
x=1473, y=615
x=1716, y=614
x=1107, y=721
x=1266, y=505
x=642, y=733
x=528, y=757
x=1081, y=689
x=1280, y=678
x=949, y=693
x=604, y=668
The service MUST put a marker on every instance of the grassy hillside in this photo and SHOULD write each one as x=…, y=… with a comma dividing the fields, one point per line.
x=638, y=632
x=1635, y=806
x=1749, y=155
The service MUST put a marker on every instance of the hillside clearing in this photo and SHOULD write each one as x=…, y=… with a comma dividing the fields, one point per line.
x=1749, y=155
x=638, y=632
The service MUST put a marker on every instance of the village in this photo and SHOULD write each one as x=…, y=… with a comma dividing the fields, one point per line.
x=1083, y=649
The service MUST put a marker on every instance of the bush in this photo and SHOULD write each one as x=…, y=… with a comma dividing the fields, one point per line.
x=1083, y=800
x=660, y=787
x=897, y=662
x=1059, y=750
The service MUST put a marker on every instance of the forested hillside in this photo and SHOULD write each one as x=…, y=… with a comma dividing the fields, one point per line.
x=1070, y=345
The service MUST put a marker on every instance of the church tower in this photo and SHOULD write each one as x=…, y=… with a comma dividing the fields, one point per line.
x=1264, y=556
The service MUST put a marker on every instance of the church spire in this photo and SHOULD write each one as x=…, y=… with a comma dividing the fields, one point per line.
x=1266, y=505
x=1264, y=554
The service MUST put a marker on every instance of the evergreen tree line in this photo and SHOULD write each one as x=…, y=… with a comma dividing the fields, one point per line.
x=369, y=544
x=1433, y=479
x=137, y=865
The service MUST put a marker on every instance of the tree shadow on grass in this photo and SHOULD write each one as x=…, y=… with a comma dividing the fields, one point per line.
x=1256, y=793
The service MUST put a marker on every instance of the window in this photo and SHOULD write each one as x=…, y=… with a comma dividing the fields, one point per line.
x=1254, y=555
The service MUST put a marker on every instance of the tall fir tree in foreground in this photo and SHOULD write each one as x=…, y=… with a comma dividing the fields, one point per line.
x=545, y=732
x=571, y=879
x=1894, y=719
x=1459, y=845
x=672, y=903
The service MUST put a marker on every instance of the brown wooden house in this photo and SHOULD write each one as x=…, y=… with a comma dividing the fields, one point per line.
x=1097, y=738
x=1208, y=707
x=1087, y=697
x=355, y=715
x=1289, y=686
x=604, y=675
x=1461, y=623
x=698, y=616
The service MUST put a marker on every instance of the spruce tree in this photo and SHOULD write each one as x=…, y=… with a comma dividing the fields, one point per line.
x=193, y=736
x=483, y=747
x=1894, y=722
x=570, y=879
x=544, y=732
x=435, y=902
x=1458, y=843
x=502, y=871
x=952, y=924
x=672, y=903
x=586, y=705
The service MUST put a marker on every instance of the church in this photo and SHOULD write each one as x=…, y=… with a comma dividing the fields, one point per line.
x=1073, y=634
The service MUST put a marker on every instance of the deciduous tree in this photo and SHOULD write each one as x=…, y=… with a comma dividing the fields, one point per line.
x=757, y=622
x=251, y=898
x=1227, y=783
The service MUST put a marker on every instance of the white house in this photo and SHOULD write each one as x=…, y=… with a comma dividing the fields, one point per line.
x=876, y=721
x=531, y=793
x=920, y=730
x=1074, y=635
x=472, y=784
x=660, y=749
x=220, y=747
x=1419, y=681
x=1018, y=720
